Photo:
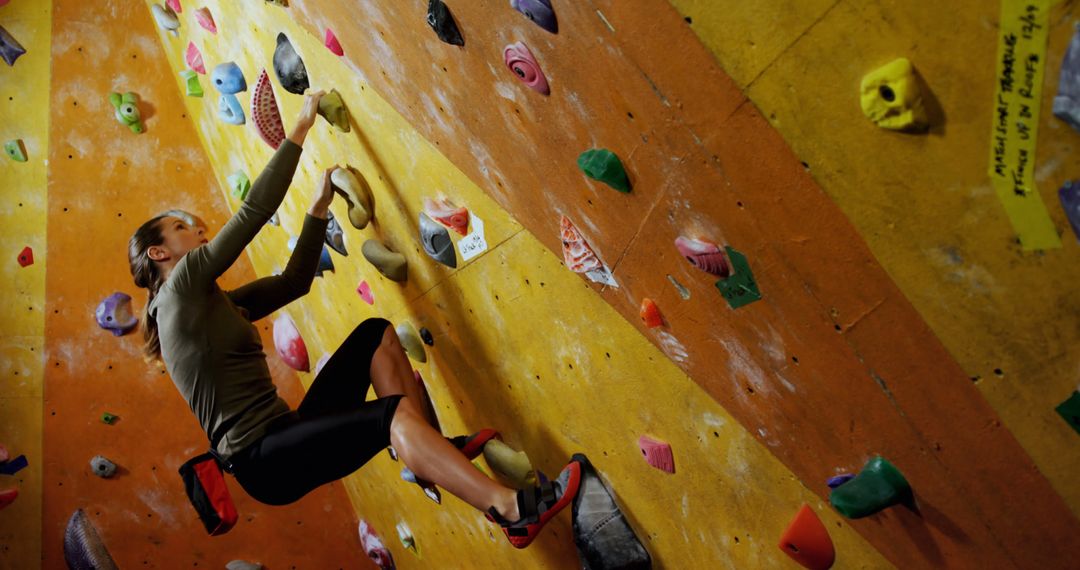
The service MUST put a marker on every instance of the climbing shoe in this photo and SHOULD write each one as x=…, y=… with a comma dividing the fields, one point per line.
x=473, y=445
x=538, y=505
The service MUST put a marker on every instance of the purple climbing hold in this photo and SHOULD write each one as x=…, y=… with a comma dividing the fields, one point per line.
x=834, y=482
x=1070, y=202
x=539, y=11
x=1067, y=101
x=114, y=314
x=10, y=48
x=14, y=466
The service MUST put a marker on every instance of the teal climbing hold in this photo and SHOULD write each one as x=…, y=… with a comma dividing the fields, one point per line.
x=739, y=289
x=878, y=486
x=603, y=165
x=1070, y=411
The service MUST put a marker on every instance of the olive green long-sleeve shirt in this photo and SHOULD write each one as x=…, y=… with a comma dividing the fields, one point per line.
x=208, y=342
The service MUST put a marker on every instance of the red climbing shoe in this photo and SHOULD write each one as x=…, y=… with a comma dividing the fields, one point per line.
x=473, y=445
x=538, y=505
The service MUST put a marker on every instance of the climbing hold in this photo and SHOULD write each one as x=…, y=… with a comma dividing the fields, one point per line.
x=26, y=256
x=650, y=313
x=127, y=111
x=577, y=254
x=739, y=289
x=191, y=83
x=4, y=455
x=16, y=150
x=391, y=264
x=206, y=19
x=891, y=97
x=406, y=537
x=374, y=547
x=243, y=565
x=14, y=466
x=436, y=241
x=282, y=3
x=1069, y=193
x=230, y=110
x=239, y=184
x=657, y=453
x=264, y=111
x=1069, y=410
x=166, y=18
x=442, y=21
x=352, y=186
x=108, y=418
x=411, y=342
x=1067, y=100
x=325, y=263
x=8, y=496
x=114, y=314
x=521, y=61
x=194, y=59
x=332, y=43
x=425, y=335
x=175, y=5
x=603, y=165
x=10, y=48
x=332, y=108
x=322, y=362
x=603, y=536
x=274, y=221
x=407, y=475
x=704, y=255
x=444, y=212
x=289, y=344
x=228, y=78
x=391, y=452
x=878, y=486
x=807, y=541
x=539, y=11
x=289, y=68
x=364, y=290
x=83, y=547
x=836, y=481
x=335, y=237
x=510, y=463
x=102, y=467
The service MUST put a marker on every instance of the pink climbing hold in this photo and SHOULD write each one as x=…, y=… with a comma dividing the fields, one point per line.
x=26, y=256
x=444, y=212
x=657, y=453
x=264, y=111
x=374, y=547
x=289, y=344
x=194, y=60
x=206, y=19
x=4, y=456
x=332, y=43
x=4, y=2
x=577, y=254
x=365, y=293
x=175, y=5
x=8, y=496
x=704, y=255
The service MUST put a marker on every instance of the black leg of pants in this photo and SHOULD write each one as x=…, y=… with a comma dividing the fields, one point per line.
x=333, y=432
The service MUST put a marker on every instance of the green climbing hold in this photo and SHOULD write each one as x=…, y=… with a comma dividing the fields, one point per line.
x=127, y=111
x=603, y=165
x=1070, y=410
x=878, y=486
x=739, y=289
x=239, y=183
x=15, y=150
x=194, y=88
x=108, y=418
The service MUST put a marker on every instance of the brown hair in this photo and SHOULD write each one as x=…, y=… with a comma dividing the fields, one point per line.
x=148, y=276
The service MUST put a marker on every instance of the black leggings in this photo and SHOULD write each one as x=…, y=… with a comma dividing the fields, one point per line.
x=333, y=432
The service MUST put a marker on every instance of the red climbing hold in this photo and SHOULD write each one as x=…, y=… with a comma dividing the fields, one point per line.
x=650, y=313
x=657, y=453
x=264, y=112
x=8, y=496
x=26, y=256
x=807, y=542
x=289, y=344
x=332, y=43
x=194, y=60
x=577, y=253
x=175, y=5
x=4, y=454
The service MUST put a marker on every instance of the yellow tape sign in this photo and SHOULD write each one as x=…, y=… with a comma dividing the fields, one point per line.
x=1021, y=63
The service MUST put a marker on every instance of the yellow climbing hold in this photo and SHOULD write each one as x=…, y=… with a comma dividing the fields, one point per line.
x=892, y=99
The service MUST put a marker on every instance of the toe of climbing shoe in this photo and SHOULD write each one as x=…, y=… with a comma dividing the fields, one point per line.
x=538, y=505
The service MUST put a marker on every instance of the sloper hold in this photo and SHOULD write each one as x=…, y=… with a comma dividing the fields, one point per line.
x=239, y=184
x=264, y=111
x=577, y=253
x=354, y=189
x=650, y=313
x=521, y=61
x=206, y=19
x=604, y=538
x=289, y=68
x=657, y=453
x=332, y=108
x=1069, y=410
x=878, y=486
x=539, y=12
x=892, y=99
x=740, y=288
x=83, y=548
x=10, y=48
x=374, y=547
x=1069, y=194
x=194, y=60
x=436, y=241
x=605, y=166
x=442, y=21
x=335, y=237
x=807, y=541
x=26, y=256
x=191, y=83
x=166, y=18
x=704, y=255
x=127, y=111
x=16, y=150
x=512, y=464
x=230, y=110
x=391, y=264
x=1067, y=100
x=332, y=43
x=228, y=78
x=289, y=344
x=114, y=314
x=443, y=211
x=8, y=496
x=410, y=341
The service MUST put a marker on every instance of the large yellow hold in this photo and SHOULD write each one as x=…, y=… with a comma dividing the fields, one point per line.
x=892, y=99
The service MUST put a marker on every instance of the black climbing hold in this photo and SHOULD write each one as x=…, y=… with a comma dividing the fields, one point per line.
x=289, y=68
x=603, y=536
x=440, y=20
x=425, y=335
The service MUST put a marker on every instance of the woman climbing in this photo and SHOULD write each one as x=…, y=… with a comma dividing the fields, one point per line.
x=214, y=356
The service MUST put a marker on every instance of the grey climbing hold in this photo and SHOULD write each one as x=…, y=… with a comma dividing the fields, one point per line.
x=243, y=565
x=442, y=21
x=391, y=264
x=102, y=467
x=83, y=548
x=425, y=335
x=335, y=237
x=436, y=241
x=357, y=194
x=289, y=68
x=1067, y=101
x=603, y=536
x=411, y=342
x=166, y=18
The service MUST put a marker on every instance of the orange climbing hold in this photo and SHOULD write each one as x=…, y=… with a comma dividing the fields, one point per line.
x=650, y=313
x=807, y=541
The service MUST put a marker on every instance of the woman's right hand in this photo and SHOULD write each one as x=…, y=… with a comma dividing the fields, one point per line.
x=306, y=120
